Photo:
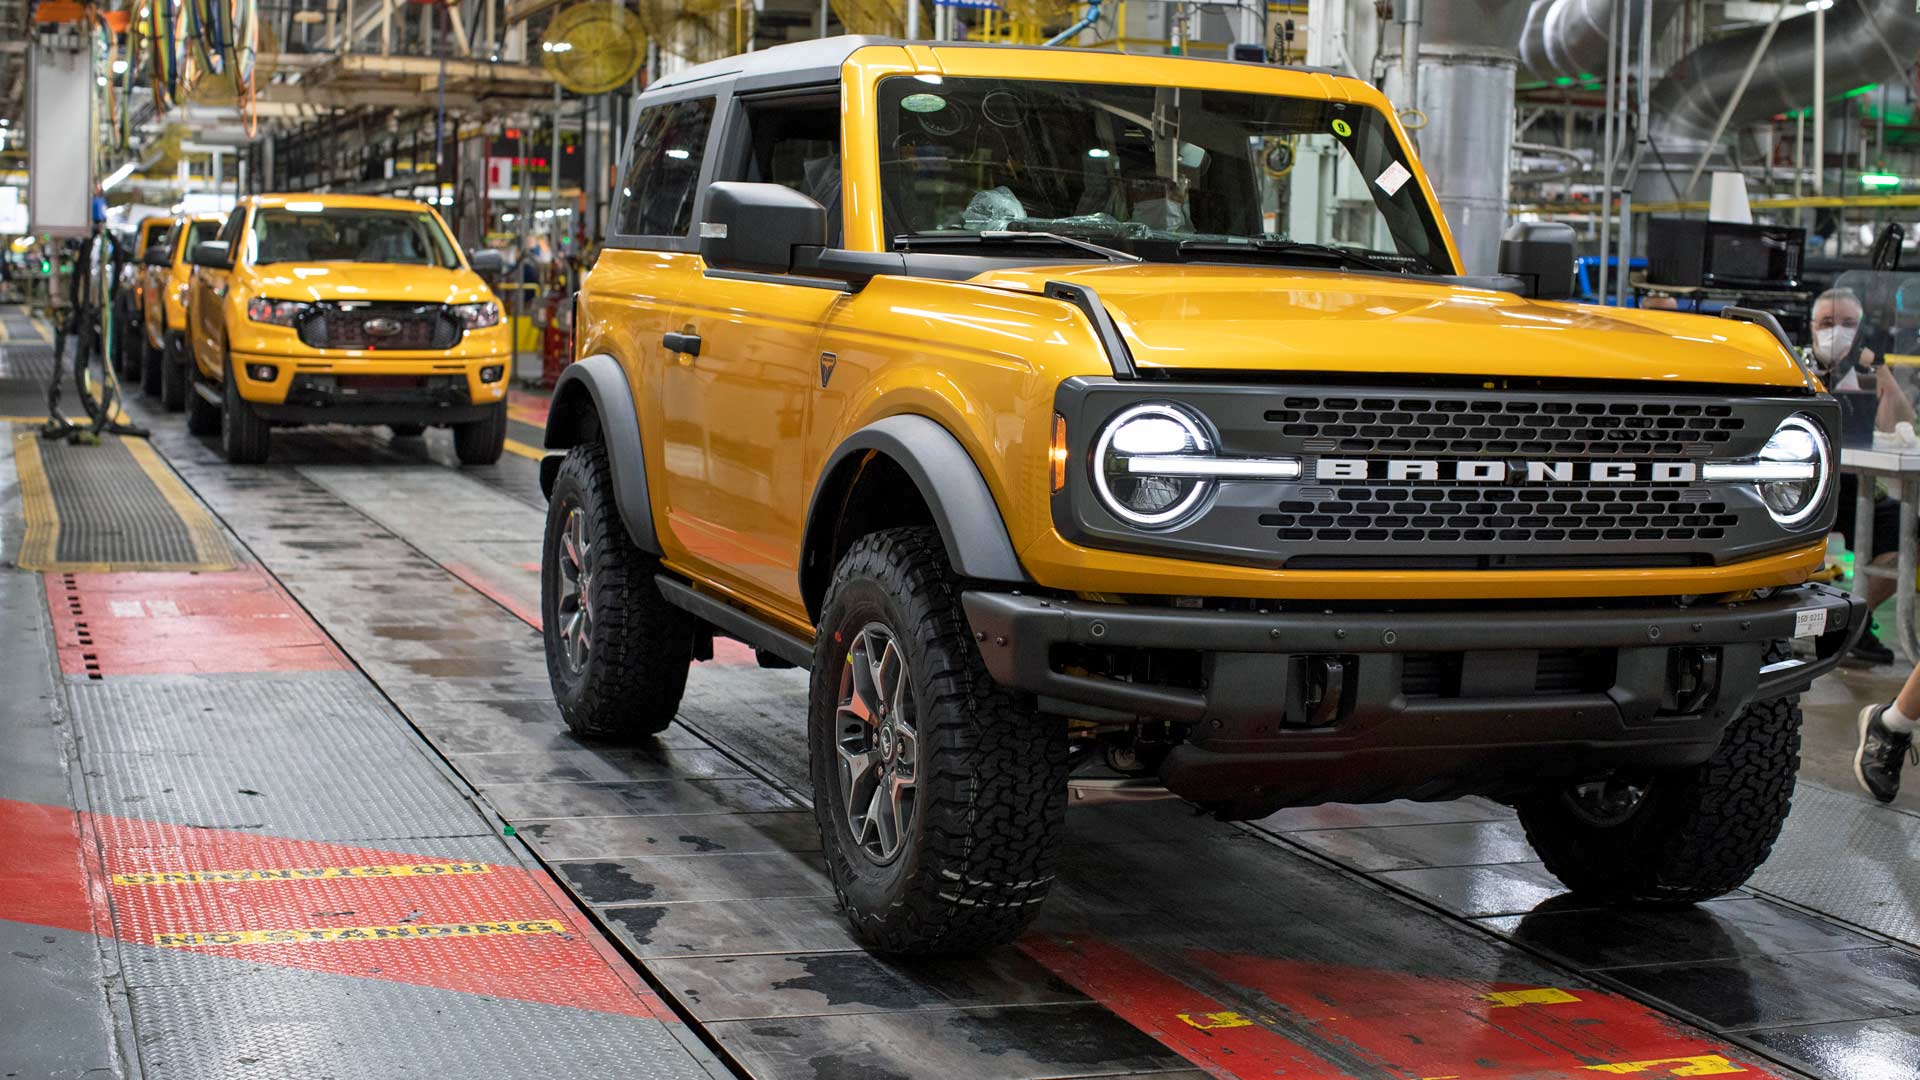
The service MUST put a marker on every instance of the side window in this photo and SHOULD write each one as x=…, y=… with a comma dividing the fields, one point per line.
x=230, y=232
x=664, y=173
x=797, y=145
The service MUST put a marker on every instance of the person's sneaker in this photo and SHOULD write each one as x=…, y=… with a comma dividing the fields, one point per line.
x=1871, y=650
x=1882, y=753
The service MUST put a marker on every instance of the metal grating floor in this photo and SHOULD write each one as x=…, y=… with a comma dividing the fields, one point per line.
x=114, y=506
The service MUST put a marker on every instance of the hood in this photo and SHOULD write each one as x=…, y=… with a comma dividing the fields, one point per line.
x=369, y=281
x=1233, y=318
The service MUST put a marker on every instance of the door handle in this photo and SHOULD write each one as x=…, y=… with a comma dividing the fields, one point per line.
x=681, y=343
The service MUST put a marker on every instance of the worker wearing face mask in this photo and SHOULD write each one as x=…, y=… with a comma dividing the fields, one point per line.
x=1845, y=363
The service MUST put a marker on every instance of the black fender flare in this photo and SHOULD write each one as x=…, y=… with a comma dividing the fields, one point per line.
x=596, y=386
x=950, y=483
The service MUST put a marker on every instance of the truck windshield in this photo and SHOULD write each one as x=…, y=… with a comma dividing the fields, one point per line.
x=1165, y=173
x=343, y=234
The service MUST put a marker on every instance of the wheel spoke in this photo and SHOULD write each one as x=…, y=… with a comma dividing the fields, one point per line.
x=880, y=816
x=857, y=781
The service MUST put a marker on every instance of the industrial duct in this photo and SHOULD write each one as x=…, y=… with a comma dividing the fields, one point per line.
x=1568, y=38
x=1867, y=41
x=1465, y=94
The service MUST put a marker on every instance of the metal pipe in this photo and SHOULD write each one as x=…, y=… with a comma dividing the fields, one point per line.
x=1606, y=162
x=913, y=19
x=1819, y=98
x=1624, y=251
x=1733, y=102
x=1569, y=38
x=1410, y=52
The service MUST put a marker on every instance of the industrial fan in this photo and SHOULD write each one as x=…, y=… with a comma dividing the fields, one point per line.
x=594, y=47
x=698, y=30
x=886, y=18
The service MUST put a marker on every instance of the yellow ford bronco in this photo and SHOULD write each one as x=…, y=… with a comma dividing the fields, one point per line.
x=1115, y=423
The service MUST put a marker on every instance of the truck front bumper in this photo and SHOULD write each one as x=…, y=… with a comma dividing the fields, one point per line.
x=1354, y=705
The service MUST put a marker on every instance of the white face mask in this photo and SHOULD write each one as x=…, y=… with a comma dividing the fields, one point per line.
x=1832, y=342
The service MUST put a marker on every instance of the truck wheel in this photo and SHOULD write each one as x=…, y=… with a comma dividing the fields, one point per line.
x=941, y=797
x=203, y=416
x=173, y=379
x=151, y=361
x=617, y=652
x=1676, y=837
x=244, y=437
x=481, y=442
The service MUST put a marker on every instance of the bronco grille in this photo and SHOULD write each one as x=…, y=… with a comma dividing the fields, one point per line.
x=380, y=326
x=1541, y=513
x=1476, y=427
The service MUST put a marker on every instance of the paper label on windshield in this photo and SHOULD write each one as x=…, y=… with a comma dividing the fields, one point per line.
x=1392, y=180
x=1810, y=623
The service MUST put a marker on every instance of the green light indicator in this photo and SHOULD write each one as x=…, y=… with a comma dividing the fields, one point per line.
x=1879, y=180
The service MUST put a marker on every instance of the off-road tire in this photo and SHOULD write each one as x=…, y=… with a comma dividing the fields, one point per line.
x=641, y=646
x=481, y=442
x=407, y=431
x=245, y=438
x=151, y=371
x=979, y=852
x=1698, y=833
x=175, y=367
x=203, y=416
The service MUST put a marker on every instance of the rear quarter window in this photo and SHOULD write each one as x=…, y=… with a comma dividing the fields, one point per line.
x=662, y=180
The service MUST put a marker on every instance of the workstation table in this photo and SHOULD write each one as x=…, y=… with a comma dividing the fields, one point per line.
x=1901, y=470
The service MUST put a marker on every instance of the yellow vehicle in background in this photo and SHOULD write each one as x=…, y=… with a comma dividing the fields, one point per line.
x=163, y=301
x=1125, y=424
x=344, y=309
x=129, y=310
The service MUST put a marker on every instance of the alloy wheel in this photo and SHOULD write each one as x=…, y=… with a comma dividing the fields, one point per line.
x=576, y=579
x=1606, y=802
x=878, y=747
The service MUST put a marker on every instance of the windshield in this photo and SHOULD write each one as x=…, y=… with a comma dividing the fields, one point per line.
x=1161, y=172
x=286, y=234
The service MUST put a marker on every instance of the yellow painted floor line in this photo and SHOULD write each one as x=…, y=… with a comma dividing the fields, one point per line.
x=515, y=446
x=40, y=327
x=36, y=499
x=5, y=334
x=209, y=543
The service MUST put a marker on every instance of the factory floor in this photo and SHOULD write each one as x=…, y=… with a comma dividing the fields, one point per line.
x=287, y=796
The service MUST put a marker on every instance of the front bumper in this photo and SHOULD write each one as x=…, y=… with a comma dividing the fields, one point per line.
x=1355, y=705
x=422, y=391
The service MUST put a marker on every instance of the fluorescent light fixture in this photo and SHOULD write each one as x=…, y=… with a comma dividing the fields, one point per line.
x=119, y=174
x=119, y=67
x=1097, y=152
x=1879, y=179
x=1214, y=468
x=305, y=207
x=1819, y=5
x=678, y=154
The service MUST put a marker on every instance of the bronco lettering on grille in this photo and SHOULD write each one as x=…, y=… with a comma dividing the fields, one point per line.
x=1499, y=472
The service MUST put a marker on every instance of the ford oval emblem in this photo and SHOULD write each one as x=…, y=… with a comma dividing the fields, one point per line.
x=382, y=327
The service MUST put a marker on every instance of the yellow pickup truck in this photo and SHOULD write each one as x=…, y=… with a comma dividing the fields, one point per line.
x=1125, y=425
x=343, y=309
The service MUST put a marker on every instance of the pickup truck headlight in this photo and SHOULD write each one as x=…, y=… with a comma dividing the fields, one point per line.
x=1791, y=472
x=1154, y=463
x=478, y=316
x=276, y=312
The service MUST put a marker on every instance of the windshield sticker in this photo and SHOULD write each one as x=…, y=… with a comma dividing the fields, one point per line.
x=923, y=103
x=1342, y=128
x=1393, y=179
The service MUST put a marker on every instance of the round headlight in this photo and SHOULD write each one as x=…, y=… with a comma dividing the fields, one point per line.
x=1798, y=446
x=1146, y=432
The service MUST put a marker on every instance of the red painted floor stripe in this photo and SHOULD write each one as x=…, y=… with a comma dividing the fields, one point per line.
x=1199, y=1028
x=179, y=623
x=499, y=929
x=528, y=408
x=1429, y=1026
x=1262, y=1017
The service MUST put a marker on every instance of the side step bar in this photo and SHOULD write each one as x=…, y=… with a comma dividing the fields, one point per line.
x=736, y=623
x=1098, y=792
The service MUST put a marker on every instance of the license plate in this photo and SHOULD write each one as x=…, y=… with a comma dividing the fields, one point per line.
x=1810, y=623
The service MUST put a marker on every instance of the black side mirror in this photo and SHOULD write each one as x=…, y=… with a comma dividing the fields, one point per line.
x=211, y=253
x=1540, y=253
x=158, y=255
x=487, y=261
x=755, y=227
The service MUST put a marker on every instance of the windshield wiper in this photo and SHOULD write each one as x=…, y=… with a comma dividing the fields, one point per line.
x=1002, y=236
x=1292, y=247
